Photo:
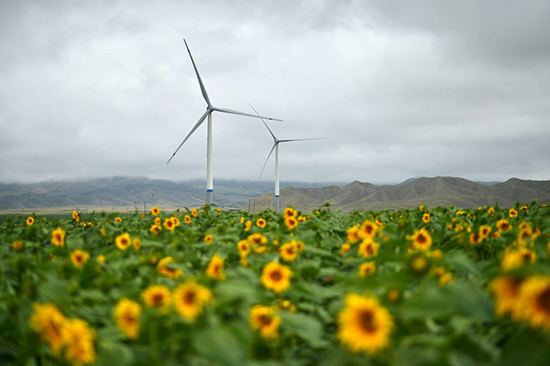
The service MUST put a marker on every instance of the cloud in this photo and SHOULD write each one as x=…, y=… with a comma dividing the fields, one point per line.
x=398, y=88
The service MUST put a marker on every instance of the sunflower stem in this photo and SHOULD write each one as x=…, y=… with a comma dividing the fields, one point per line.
x=153, y=334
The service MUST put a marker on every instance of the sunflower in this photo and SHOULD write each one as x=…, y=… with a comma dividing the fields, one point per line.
x=48, y=321
x=367, y=269
x=244, y=247
x=276, y=277
x=79, y=339
x=291, y=223
x=344, y=249
x=101, y=259
x=485, y=231
x=533, y=303
x=265, y=320
x=190, y=298
x=163, y=269
x=158, y=221
x=421, y=239
x=491, y=211
x=123, y=241
x=155, y=211
x=353, y=234
x=118, y=219
x=155, y=229
x=157, y=297
x=288, y=251
x=175, y=221
x=506, y=291
x=208, y=238
x=169, y=224
x=215, y=268
x=187, y=219
x=30, y=221
x=127, y=317
x=368, y=248
x=79, y=257
x=195, y=212
x=364, y=325
x=75, y=216
x=367, y=230
x=17, y=245
x=136, y=243
x=475, y=238
x=503, y=225
x=257, y=239
x=289, y=212
x=514, y=258
x=419, y=264
x=512, y=213
x=58, y=237
x=260, y=223
x=426, y=218
x=248, y=225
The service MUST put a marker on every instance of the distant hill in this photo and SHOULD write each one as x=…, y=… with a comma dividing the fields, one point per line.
x=433, y=192
x=128, y=192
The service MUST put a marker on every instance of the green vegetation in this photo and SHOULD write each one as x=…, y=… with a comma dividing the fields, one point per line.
x=416, y=286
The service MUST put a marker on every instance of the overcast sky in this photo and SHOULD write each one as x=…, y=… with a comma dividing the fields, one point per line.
x=399, y=89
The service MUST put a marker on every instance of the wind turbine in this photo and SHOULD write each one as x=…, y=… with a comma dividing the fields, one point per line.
x=209, y=109
x=275, y=147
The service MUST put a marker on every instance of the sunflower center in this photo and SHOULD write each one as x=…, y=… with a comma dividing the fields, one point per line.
x=189, y=297
x=366, y=321
x=421, y=238
x=276, y=275
x=265, y=320
x=543, y=301
x=157, y=299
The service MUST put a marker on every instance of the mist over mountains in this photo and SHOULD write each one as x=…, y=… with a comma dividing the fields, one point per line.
x=130, y=192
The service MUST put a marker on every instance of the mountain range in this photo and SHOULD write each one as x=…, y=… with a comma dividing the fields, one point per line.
x=128, y=193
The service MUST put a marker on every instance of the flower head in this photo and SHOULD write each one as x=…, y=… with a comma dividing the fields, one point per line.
x=155, y=211
x=123, y=241
x=79, y=257
x=30, y=221
x=190, y=299
x=421, y=239
x=215, y=268
x=264, y=320
x=534, y=302
x=364, y=325
x=48, y=321
x=368, y=248
x=157, y=297
x=165, y=270
x=127, y=317
x=367, y=269
x=78, y=339
x=58, y=237
x=276, y=277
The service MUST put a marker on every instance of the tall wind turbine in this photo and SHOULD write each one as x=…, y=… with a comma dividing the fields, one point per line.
x=209, y=109
x=275, y=147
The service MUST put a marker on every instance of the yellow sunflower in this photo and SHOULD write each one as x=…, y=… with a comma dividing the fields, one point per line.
x=208, y=238
x=215, y=268
x=123, y=241
x=289, y=212
x=187, y=219
x=276, y=277
x=288, y=251
x=155, y=211
x=485, y=231
x=506, y=291
x=514, y=258
x=175, y=221
x=169, y=224
x=136, y=243
x=367, y=269
x=368, y=248
x=195, y=212
x=421, y=239
x=118, y=219
x=426, y=218
x=17, y=245
x=265, y=320
x=345, y=248
x=475, y=238
x=30, y=221
x=291, y=222
x=353, y=234
x=257, y=239
x=47, y=321
x=58, y=237
x=364, y=325
x=503, y=225
x=190, y=298
x=79, y=340
x=163, y=269
x=127, y=317
x=260, y=223
x=367, y=230
x=157, y=297
x=79, y=257
x=534, y=302
x=248, y=225
x=512, y=213
x=244, y=247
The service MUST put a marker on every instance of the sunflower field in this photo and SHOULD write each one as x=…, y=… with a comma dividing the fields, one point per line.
x=426, y=286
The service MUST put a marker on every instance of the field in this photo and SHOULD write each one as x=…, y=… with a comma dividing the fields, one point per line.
x=426, y=286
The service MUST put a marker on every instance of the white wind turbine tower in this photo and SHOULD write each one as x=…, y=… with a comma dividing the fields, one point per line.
x=275, y=147
x=209, y=109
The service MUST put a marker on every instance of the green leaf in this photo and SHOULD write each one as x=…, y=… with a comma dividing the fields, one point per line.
x=222, y=345
x=110, y=353
x=306, y=327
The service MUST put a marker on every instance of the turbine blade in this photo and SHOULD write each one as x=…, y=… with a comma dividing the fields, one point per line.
x=231, y=111
x=269, y=129
x=315, y=138
x=200, y=121
x=203, y=89
x=266, y=160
